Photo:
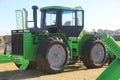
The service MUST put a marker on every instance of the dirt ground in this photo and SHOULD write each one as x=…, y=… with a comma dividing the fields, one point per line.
x=9, y=71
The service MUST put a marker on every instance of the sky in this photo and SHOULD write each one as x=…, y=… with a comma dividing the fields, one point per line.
x=99, y=14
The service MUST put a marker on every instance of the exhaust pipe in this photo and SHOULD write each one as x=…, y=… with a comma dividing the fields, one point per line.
x=26, y=18
x=35, y=16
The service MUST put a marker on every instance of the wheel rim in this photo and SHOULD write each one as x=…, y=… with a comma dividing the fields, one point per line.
x=56, y=56
x=97, y=54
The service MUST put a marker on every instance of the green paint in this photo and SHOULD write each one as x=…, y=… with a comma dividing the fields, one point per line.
x=76, y=46
x=29, y=48
x=112, y=72
x=16, y=59
x=5, y=58
x=60, y=8
x=112, y=45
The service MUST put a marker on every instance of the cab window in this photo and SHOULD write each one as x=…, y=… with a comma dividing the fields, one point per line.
x=68, y=18
x=50, y=17
x=79, y=18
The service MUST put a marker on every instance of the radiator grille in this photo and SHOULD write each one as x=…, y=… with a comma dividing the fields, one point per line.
x=17, y=42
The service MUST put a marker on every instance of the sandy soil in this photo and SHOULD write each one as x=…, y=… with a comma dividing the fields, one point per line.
x=9, y=71
x=1, y=51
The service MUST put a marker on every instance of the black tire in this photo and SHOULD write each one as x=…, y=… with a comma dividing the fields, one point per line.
x=94, y=53
x=111, y=58
x=31, y=66
x=44, y=61
x=54, y=38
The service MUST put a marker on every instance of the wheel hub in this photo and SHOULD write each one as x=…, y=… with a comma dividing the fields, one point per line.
x=97, y=54
x=56, y=56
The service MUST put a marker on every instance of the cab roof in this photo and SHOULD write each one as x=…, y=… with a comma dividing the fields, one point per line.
x=60, y=8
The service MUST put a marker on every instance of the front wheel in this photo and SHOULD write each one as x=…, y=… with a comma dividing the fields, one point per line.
x=52, y=56
x=94, y=53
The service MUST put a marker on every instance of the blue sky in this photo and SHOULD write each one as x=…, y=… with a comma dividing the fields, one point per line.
x=99, y=14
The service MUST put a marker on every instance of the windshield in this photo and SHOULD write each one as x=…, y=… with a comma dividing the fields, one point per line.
x=68, y=18
x=72, y=18
x=50, y=17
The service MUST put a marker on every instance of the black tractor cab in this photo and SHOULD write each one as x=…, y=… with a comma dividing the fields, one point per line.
x=60, y=19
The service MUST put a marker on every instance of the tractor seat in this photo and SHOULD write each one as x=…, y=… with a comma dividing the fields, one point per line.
x=67, y=23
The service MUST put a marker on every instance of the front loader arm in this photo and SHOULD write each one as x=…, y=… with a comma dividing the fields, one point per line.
x=16, y=59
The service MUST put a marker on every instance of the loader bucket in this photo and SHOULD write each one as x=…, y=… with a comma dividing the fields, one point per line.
x=113, y=70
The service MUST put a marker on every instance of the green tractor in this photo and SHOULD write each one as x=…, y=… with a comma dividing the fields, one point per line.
x=58, y=42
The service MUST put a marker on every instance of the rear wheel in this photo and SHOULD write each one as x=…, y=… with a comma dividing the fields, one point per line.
x=94, y=53
x=52, y=56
